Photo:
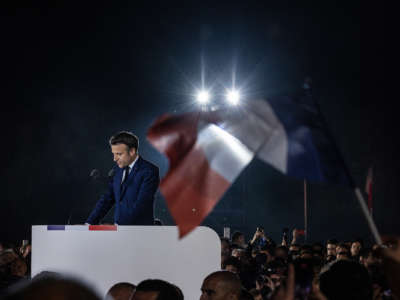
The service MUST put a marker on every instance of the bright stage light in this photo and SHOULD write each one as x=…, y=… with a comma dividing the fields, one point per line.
x=233, y=97
x=203, y=97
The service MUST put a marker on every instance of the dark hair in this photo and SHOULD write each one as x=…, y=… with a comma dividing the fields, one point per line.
x=52, y=287
x=127, y=138
x=332, y=241
x=123, y=284
x=346, y=280
x=236, y=235
x=359, y=240
x=166, y=290
x=233, y=261
x=121, y=289
x=344, y=245
x=260, y=259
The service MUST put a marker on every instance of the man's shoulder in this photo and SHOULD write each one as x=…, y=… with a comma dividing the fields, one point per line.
x=145, y=164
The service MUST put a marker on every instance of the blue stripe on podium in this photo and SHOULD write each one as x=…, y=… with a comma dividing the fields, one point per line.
x=55, y=227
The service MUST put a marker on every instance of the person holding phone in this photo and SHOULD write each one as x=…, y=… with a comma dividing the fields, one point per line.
x=259, y=238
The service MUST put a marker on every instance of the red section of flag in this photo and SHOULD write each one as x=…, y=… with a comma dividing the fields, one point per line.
x=191, y=188
x=174, y=136
x=103, y=227
x=368, y=188
x=301, y=231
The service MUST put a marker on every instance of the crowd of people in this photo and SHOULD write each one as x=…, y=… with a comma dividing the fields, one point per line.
x=258, y=269
x=330, y=270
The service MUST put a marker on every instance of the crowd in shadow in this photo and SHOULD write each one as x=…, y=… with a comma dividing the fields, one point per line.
x=256, y=269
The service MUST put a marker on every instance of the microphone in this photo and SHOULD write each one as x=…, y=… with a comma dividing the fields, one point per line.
x=95, y=174
x=111, y=173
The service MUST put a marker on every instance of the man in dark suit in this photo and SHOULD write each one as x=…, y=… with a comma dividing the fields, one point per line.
x=132, y=187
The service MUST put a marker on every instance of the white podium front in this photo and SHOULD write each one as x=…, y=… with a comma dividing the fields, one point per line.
x=105, y=255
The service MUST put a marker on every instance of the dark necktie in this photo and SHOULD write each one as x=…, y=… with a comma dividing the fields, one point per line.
x=126, y=175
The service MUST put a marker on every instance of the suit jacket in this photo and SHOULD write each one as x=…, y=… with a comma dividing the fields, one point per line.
x=134, y=200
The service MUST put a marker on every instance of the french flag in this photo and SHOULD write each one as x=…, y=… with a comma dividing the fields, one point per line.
x=207, y=150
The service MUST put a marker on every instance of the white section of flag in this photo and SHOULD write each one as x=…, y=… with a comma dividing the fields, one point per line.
x=226, y=154
x=77, y=227
x=257, y=127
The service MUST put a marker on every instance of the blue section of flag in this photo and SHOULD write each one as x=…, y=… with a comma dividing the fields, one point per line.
x=55, y=227
x=312, y=152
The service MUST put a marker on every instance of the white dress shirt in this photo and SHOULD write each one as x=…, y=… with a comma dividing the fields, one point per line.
x=130, y=168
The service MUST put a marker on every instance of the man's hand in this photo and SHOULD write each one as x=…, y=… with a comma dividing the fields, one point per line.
x=270, y=283
x=391, y=263
x=316, y=293
x=257, y=235
x=286, y=292
x=295, y=234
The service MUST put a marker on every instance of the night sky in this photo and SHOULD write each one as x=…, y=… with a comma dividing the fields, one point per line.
x=86, y=71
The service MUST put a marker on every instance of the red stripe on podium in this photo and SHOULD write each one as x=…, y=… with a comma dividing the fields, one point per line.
x=103, y=227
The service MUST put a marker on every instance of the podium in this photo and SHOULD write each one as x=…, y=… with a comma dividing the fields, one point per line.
x=106, y=254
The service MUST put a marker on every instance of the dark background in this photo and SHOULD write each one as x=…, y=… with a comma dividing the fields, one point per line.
x=85, y=71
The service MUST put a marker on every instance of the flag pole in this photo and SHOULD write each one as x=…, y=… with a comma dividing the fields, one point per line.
x=359, y=196
x=305, y=211
x=368, y=216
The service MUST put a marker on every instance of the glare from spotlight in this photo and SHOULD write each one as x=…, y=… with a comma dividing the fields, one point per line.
x=233, y=97
x=203, y=97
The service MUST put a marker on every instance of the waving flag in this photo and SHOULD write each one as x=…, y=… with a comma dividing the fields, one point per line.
x=208, y=150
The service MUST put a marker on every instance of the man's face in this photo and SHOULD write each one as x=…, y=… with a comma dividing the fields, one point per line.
x=370, y=260
x=232, y=268
x=341, y=249
x=342, y=252
x=331, y=249
x=240, y=240
x=213, y=289
x=123, y=156
x=355, y=248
